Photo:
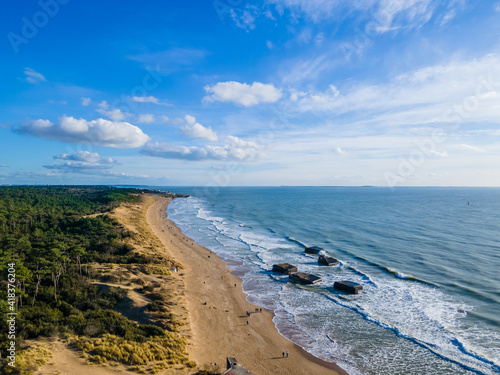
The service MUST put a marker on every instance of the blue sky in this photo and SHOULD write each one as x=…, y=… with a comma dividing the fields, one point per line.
x=233, y=92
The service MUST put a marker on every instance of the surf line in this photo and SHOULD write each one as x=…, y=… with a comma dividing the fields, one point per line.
x=416, y=341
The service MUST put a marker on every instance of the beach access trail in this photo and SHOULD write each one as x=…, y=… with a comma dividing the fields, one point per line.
x=219, y=325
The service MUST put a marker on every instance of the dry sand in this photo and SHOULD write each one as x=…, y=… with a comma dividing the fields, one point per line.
x=217, y=311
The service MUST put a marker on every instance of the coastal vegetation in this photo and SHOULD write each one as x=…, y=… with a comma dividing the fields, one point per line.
x=67, y=250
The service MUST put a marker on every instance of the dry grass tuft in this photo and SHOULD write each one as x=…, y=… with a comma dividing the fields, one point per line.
x=151, y=269
x=31, y=358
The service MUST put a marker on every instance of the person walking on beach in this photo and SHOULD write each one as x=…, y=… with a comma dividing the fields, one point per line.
x=287, y=354
x=283, y=354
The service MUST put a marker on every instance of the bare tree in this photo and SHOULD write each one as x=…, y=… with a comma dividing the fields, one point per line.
x=79, y=264
x=38, y=281
x=55, y=279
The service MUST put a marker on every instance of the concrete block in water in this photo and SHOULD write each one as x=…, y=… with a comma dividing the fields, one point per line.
x=285, y=268
x=327, y=261
x=313, y=250
x=348, y=287
x=305, y=278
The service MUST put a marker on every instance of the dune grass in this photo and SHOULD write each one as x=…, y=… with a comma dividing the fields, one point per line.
x=168, y=348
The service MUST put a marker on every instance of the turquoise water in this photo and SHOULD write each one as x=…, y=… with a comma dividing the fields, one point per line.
x=428, y=259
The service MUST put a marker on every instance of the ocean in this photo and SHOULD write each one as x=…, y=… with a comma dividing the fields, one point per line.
x=428, y=260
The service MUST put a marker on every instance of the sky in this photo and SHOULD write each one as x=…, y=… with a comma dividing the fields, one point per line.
x=250, y=93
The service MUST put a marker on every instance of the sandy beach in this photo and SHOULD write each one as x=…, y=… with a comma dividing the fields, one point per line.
x=217, y=309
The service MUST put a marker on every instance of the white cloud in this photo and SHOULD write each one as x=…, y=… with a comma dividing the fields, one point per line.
x=381, y=15
x=77, y=167
x=193, y=129
x=394, y=14
x=242, y=93
x=426, y=95
x=447, y=17
x=244, y=19
x=41, y=124
x=315, y=10
x=86, y=101
x=147, y=99
x=103, y=105
x=113, y=114
x=170, y=60
x=269, y=44
x=98, y=132
x=165, y=119
x=306, y=70
x=268, y=14
x=496, y=7
x=240, y=143
x=319, y=39
x=86, y=157
x=243, y=149
x=144, y=99
x=33, y=76
x=385, y=15
x=34, y=177
x=62, y=102
x=93, y=169
x=146, y=118
x=442, y=154
x=305, y=36
x=234, y=149
x=178, y=121
x=190, y=119
x=30, y=175
x=465, y=146
x=168, y=151
x=83, y=162
x=120, y=174
x=339, y=151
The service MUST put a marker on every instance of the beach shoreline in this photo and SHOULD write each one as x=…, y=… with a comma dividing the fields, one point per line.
x=217, y=306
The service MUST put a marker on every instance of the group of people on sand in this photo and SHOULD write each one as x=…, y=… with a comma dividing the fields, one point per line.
x=250, y=312
x=285, y=354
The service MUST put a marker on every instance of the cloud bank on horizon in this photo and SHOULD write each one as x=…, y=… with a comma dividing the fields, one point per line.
x=295, y=92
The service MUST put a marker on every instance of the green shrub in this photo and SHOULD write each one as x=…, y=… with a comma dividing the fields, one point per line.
x=155, y=306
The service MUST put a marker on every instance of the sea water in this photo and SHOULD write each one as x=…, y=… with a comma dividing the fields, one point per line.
x=428, y=260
